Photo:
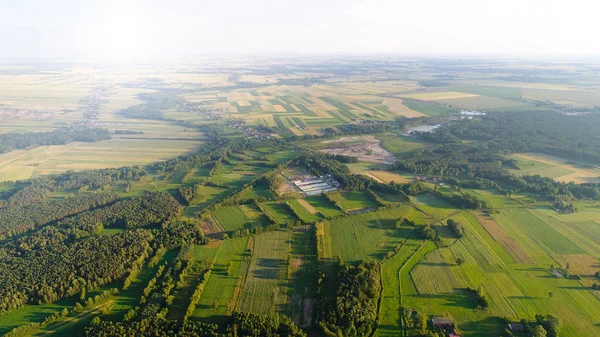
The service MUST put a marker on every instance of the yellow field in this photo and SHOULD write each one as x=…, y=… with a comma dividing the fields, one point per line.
x=558, y=169
x=434, y=96
x=395, y=105
x=574, y=98
x=279, y=108
x=389, y=177
x=370, y=175
x=24, y=164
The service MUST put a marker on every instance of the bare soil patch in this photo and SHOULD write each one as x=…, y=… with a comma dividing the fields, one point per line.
x=308, y=207
x=365, y=148
x=516, y=252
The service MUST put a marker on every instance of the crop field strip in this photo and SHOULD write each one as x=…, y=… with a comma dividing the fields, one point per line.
x=218, y=297
x=302, y=272
x=266, y=286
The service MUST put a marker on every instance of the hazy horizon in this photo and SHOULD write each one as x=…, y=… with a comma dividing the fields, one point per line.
x=70, y=29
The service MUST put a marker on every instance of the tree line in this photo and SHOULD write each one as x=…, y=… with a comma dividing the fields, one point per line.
x=62, y=136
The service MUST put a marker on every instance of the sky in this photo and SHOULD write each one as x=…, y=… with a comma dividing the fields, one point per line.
x=132, y=29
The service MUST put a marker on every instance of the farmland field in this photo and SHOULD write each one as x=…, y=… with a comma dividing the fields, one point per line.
x=353, y=200
x=222, y=287
x=25, y=164
x=265, y=287
x=554, y=167
x=366, y=236
x=444, y=217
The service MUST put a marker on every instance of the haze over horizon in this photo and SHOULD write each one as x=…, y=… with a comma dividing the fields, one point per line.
x=153, y=29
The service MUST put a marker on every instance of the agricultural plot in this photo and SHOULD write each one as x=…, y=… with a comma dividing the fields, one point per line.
x=542, y=233
x=516, y=252
x=278, y=212
x=303, y=271
x=401, y=146
x=434, y=274
x=428, y=108
x=366, y=236
x=474, y=102
x=323, y=206
x=266, y=286
x=305, y=210
x=224, y=284
x=559, y=169
x=351, y=201
x=234, y=180
x=511, y=93
x=573, y=98
x=433, y=206
x=435, y=283
x=388, y=177
x=232, y=218
x=390, y=320
x=437, y=96
x=25, y=164
x=495, y=198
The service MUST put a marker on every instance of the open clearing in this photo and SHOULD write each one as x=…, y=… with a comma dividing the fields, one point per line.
x=365, y=148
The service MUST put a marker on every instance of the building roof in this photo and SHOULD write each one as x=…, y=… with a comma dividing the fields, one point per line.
x=516, y=327
x=441, y=321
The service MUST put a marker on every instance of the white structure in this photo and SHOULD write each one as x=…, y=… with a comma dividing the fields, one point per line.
x=316, y=185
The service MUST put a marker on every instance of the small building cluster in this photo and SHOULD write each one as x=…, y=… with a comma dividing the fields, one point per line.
x=94, y=102
x=472, y=113
x=445, y=325
x=433, y=180
x=201, y=108
x=316, y=185
x=249, y=131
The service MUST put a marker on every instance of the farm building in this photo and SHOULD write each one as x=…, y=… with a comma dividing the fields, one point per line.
x=316, y=185
x=442, y=322
x=516, y=327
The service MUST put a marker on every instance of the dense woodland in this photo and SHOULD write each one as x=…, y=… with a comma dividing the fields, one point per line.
x=240, y=324
x=482, y=167
x=351, y=310
x=13, y=141
x=568, y=136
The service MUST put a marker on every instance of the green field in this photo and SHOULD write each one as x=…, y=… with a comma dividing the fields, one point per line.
x=433, y=206
x=428, y=108
x=223, y=286
x=353, y=200
x=367, y=236
x=304, y=213
x=323, y=206
x=266, y=287
x=511, y=93
x=278, y=212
